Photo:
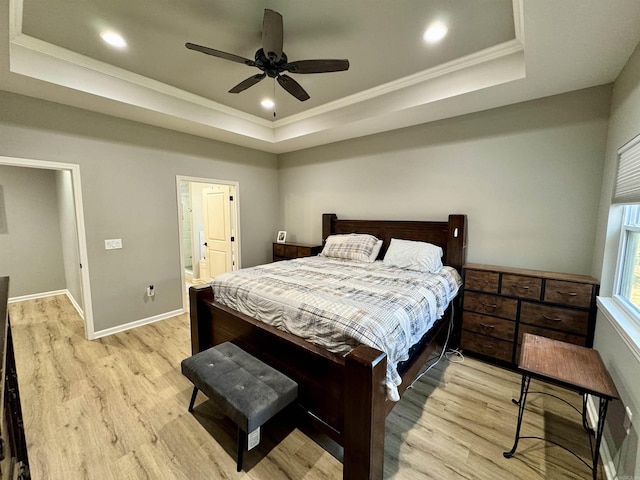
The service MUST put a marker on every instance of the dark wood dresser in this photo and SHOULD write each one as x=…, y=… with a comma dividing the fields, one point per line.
x=287, y=251
x=14, y=463
x=501, y=304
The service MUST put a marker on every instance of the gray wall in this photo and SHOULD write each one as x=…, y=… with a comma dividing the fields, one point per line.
x=31, y=250
x=128, y=173
x=623, y=363
x=69, y=235
x=528, y=176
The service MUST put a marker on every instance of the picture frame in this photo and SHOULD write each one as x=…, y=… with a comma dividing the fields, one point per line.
x=282, y=236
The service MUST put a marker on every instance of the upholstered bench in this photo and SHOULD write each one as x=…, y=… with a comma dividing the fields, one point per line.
x=248, y=391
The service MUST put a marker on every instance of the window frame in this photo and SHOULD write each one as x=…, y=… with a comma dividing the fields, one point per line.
x=626, y=227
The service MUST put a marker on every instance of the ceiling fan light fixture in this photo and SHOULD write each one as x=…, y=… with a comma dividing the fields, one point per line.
x=267, y=104
x=435, y=32
x=114, y=39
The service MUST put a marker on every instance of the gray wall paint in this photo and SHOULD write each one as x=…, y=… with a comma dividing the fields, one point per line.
x=128, y=173
x=31, y=251
x=69, y=235
x=528, y=176
x=623, y=365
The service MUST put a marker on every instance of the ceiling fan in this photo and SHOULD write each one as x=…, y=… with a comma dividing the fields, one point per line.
x=273, y=61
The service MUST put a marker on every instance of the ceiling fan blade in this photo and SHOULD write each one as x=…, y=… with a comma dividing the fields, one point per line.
x=293, y=87
x=272, y=34
x=220, y=54
x=249, y=82
x=317, y=66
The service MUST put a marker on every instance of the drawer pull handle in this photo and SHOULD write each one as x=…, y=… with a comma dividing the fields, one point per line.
x=488, y=347
x=522, y=287
x=571, y=294
x=484, y=325
x=487, y=305
x=553, y=319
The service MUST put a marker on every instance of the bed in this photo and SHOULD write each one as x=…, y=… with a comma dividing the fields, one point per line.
x=344, y=396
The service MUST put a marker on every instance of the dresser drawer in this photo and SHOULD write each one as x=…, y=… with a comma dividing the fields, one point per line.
x=568, y=320
x=278, y=249
x=479, y=280
x=307, y=251
x=521, y=286
x=490, y=326
x=288, y=251
x=491, y=305
x=489, y=346
x=568, y=293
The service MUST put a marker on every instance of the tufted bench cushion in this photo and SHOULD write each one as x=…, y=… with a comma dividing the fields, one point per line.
x=247, y=390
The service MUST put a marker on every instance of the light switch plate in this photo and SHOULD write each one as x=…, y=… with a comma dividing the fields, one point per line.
x=113, y=243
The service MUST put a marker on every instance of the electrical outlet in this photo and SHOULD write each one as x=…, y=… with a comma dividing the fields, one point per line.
x=253, y=438
x=150, y=291
x=628, y=416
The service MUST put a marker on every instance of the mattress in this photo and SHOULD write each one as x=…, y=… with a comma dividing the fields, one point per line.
x=340, y=304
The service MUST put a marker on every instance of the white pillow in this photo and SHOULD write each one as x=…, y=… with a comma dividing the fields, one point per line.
x=375, y=251
x=352, y=246
x=420, y=256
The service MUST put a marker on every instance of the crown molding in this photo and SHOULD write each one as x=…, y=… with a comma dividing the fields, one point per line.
x=487, y=55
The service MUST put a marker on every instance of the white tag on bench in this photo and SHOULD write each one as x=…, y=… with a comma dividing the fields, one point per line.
x=253, y=438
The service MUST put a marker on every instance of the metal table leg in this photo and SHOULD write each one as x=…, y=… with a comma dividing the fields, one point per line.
x=524, y=388
x=602, y=413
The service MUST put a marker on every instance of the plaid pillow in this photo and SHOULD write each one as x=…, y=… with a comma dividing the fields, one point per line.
x=352, y=246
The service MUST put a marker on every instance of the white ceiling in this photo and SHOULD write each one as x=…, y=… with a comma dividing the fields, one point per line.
x=497, y=52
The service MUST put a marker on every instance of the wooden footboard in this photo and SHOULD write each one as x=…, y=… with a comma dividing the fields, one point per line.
x=345, y=397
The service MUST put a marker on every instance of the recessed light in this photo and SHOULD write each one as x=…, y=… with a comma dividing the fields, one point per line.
x=267, y=103
x=435, y=32
x=114, y=39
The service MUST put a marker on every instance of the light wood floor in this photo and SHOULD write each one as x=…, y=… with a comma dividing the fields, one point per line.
x=116, y=408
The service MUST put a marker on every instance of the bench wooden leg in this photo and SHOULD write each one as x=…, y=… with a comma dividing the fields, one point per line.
x=242, y=440
x=193, y=398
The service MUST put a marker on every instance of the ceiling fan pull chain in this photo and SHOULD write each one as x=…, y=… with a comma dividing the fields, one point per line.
x=275, y=103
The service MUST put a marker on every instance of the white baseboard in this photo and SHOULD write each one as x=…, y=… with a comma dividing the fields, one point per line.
x=137, y=323
x=605, y=454
x=35, y=296
x=101, y=333
x=75, y=304
x=54, y=293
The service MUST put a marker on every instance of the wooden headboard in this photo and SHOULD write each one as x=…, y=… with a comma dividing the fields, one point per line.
x=451, y=235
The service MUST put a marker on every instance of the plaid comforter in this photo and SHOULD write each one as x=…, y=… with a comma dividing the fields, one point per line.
x=339, y=304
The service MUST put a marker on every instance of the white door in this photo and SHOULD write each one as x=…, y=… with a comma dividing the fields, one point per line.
x=216, y=206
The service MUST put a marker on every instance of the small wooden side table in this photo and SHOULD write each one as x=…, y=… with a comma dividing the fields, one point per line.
x=571, y=366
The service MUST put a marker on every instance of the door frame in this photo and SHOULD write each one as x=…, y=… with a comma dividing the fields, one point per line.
x=81, y=235
x=235, y=210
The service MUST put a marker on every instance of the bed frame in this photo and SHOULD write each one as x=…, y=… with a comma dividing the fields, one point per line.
x=344, y=396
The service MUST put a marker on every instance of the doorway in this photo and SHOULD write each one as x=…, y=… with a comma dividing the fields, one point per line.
x=68, y=181
x=209, y=229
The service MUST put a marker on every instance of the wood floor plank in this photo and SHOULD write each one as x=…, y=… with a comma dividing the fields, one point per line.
x=116, y=408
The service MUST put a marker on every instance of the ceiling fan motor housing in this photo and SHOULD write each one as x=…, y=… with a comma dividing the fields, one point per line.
x=268, y=65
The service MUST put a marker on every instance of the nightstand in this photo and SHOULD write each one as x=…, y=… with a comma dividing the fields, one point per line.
x=289, y=250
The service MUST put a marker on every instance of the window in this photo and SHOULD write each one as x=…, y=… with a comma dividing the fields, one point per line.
x=627, y=288
x=623, y=310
